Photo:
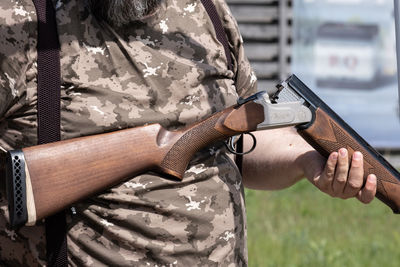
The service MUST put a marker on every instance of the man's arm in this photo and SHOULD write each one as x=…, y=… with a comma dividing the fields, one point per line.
x=282, y=158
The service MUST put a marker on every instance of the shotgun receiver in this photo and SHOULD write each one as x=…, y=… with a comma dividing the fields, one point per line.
x=44, y=179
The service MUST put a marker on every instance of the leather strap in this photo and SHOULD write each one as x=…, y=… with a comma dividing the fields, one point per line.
x=222, y=37
x=219, y=29
x=48, y=117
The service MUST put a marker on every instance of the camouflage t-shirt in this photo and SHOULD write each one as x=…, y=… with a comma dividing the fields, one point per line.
x=170, y=69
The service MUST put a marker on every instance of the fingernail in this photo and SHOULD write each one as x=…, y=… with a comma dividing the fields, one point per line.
x=372, y=178
x=357, y=155
x=343, y=152
x=334, y=156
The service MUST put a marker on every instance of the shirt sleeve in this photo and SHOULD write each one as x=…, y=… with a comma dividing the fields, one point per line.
x=245, y=78
x=17, y=53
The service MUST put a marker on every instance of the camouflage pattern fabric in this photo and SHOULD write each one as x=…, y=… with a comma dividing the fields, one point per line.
x=168, y=69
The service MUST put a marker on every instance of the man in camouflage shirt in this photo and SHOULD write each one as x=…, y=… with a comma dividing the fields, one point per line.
x=125, y=65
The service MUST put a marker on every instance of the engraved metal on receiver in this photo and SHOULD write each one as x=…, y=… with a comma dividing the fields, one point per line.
x=290, y=111
x=283, y=108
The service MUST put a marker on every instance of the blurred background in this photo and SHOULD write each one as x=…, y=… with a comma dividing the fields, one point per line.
x=345, y=50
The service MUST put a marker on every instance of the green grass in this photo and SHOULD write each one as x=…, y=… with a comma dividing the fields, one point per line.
x=301, y=226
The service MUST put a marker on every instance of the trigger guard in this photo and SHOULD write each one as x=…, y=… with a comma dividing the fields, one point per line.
x=231, y=146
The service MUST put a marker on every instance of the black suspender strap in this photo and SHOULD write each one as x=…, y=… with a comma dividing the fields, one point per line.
x=219, y=29
x=48, y=108
x=48, y=73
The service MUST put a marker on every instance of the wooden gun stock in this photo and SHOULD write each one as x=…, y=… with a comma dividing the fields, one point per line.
x=47, y=178
x=327, y=132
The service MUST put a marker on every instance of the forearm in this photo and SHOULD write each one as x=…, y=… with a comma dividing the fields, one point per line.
x=281, y=158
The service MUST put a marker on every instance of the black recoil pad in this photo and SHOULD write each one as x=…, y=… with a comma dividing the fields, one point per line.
x=16, y=188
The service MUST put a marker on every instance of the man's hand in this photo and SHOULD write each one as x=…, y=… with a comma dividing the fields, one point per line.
x=338, y=179
x=282, y=158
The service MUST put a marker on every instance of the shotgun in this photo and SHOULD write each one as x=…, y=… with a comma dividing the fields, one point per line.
x=44, y=179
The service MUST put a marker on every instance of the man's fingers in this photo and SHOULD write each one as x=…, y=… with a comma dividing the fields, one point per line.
x=355, y=178
x=338, y=179
x=324, y=181
x=367, y=194
x=342, y=170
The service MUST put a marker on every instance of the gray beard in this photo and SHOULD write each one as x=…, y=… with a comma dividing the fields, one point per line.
x=123, y=12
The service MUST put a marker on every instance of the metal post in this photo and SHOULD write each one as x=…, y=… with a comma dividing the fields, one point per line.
x=282, y=39
x=397, y=28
